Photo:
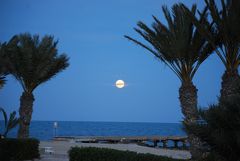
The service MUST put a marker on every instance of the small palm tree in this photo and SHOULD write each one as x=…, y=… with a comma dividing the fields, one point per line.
x=34, y=62
x=227, y=34
x=182, y=48
x=9, y=123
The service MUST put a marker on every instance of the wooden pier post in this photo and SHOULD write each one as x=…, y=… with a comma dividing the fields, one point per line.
x=175, y=143
x=184, y=143
x=155, y=142
x=164, y=143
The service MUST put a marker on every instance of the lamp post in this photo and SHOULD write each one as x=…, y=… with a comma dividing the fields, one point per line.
x=55, y=126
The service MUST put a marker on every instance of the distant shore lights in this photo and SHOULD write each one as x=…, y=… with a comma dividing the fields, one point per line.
x=120, y=84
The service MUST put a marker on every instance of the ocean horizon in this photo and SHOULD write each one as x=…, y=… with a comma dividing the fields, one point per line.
x=45, y=130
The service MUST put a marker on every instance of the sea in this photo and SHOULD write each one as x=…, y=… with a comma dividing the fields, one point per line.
x=46, y=130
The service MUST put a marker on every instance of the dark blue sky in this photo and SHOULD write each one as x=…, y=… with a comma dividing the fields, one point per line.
x=91, y=33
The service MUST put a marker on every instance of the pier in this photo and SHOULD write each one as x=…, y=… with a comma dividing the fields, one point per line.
x=157, y=141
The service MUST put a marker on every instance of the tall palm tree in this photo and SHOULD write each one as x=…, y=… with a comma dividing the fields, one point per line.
x=3, y=65
x=182, y=48
x=34, y=62
x=226, y=25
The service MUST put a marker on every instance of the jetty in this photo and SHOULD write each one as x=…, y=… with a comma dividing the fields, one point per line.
x=157, y=141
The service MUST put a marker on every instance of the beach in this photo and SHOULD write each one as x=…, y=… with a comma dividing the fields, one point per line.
x=61, y=148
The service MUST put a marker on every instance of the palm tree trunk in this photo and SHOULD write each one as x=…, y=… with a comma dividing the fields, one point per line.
x=188, y=100
x=25, y=113
x=229, y=84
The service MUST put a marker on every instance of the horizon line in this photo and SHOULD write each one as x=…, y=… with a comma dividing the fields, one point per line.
x=108, y=121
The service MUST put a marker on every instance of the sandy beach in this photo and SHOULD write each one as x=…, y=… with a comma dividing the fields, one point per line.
x=61, y=148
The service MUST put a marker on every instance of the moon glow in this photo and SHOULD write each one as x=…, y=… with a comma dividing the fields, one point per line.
x=120, y=83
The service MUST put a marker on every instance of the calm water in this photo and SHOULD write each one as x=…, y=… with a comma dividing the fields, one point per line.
x=44, y=130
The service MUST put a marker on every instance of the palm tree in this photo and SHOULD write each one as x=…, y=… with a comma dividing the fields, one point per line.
x=3, y=65
x=182, y=48
x=9, y=123
x=34, y=62
x=227, y=32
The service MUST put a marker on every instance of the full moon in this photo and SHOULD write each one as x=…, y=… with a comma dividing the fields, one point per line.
x=120, y=83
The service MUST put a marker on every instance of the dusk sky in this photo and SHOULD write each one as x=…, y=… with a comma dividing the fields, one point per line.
x=91, y=33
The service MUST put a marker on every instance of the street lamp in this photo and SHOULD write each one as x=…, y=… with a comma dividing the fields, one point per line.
x=55, y=126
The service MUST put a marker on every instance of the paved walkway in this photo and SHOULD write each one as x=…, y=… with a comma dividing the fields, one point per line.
x=61, y=148
x=53, y=157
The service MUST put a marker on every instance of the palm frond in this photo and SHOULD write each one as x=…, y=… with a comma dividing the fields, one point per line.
x=35, y=60
x=4, y=116
x=2, y=81
x=4, y=65
x=168, y=18
x=208, y=30
x=179, y=44
x=225, y=33
x=12, y=122
x=9, y=123
x=156, y=54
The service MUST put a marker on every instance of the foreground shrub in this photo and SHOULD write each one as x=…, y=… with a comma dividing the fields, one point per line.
x=104, y=154
x=220, y=129
x=18, y=149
